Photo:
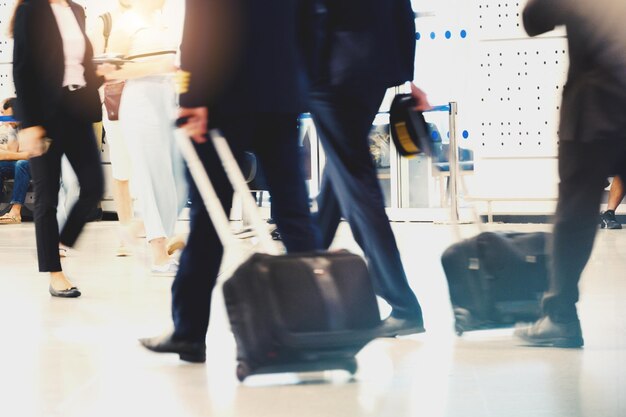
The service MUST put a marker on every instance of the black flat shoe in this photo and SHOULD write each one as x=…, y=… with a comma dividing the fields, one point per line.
x=69, y=293
x=187, y=351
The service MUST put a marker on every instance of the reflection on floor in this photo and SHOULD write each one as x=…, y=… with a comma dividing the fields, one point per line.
x=81, y=357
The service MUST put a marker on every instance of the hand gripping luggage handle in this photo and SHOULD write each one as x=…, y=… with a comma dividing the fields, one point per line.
x=209, y=196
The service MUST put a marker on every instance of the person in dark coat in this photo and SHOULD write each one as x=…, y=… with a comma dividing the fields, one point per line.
x=245, y=78
x=363, y=48
x=592, y=143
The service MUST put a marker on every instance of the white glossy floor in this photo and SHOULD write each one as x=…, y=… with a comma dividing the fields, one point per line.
x=62, y=358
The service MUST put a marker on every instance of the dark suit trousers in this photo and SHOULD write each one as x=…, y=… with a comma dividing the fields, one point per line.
x=274, y=139
x=74, y=138
x=583, y=168
x=350, y=188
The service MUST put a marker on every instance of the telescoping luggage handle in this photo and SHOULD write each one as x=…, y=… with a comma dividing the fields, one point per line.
x=209, y=196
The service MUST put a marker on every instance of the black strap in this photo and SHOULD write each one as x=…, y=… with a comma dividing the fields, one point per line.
x=337, y=318
x=170, y=51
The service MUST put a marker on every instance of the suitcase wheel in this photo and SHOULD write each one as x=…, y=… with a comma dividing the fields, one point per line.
x=463, y=320
x=351, y=366
x=243, y=371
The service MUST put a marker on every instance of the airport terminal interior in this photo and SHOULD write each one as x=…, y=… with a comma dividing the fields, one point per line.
x=496, y=97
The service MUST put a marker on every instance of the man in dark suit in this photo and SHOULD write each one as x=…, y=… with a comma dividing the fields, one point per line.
x=592, y=142
x=366, y=47
x=244, y=67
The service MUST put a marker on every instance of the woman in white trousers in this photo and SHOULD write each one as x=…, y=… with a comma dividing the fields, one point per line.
x=147, y=112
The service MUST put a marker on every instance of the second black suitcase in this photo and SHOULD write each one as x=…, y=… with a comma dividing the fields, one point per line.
x=496, y=279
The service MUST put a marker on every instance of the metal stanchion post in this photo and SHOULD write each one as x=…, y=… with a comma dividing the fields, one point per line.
x=453, y=160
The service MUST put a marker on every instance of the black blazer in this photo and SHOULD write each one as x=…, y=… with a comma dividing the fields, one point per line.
x=266, y=71
x=368, y=42
x=594, y=97
x=39, y=65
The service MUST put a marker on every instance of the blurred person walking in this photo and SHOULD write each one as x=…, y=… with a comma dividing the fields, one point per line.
x=147, y=108
x=592, y=147
x=119, y=152
x=245, y=78
x=57, y=99
x=366, y=46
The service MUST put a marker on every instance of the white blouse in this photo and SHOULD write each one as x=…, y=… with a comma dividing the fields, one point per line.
x=73, y=45
x=148, y=37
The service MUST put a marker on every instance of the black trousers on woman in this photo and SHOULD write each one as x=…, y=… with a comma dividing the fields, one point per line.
x=72, y=136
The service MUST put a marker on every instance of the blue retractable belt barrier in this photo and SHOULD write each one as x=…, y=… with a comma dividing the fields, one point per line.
x=445, y=107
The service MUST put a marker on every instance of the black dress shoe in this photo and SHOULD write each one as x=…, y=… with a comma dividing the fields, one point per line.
x=69, y=293
x=546, y=332
x=187, y=351
x=395, y=326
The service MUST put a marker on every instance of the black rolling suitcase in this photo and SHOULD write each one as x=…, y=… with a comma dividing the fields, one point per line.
x=288, y=313
x=496, y=279
x=301, y=312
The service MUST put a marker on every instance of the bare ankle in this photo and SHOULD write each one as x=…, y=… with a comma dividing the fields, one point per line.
x=57, y=275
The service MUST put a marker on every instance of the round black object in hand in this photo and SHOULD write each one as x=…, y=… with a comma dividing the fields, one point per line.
x=409, y=130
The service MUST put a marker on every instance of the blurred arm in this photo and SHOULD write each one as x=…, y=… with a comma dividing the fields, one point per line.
x=208, y=49
x=193, y=54
x=541, y=16
x=156, y=66
x=96, y=36
x=13, y=144
x=31, y=112
x=12, y=156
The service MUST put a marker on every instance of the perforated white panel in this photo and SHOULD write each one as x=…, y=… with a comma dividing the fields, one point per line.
x=517, y=95
x=502, y=19
x=516, y=85
x=6, y=51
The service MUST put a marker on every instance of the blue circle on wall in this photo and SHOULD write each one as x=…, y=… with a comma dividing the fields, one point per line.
x=448, y=34
x=463, y=33
x=432, y=35
x=465, y=134
x=418, y=36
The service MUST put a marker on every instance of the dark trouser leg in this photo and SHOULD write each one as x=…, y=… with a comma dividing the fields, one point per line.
x=22, y=180
x=583, y=168
x=7, y=171
x=200, y=261
x=82, y=152
x=46, y=173
x=275, y=141
x=328, y=211
x=343, y=122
